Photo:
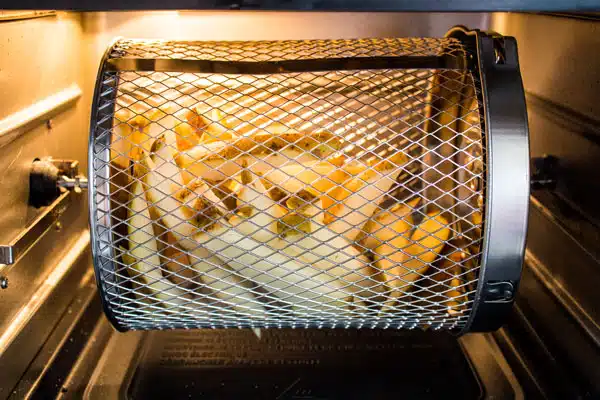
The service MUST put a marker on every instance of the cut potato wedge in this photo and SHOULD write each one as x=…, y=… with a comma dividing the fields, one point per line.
x=177, y=263
x=317, y=177
x=451, y=284
x=141, y=292
x=132, y=131
x=337, y=257
x=301, y=286
x=221, y=160
x=358, y=199
x=184, y=221
x=232, y=289
x=174, y=261
x=211, y=270
x=403, y=261
x=388, y=225
x=257, y=212
x=165, y=190
x=144, y=249
x=187, y=136
x=268, y=222
x=211, y=125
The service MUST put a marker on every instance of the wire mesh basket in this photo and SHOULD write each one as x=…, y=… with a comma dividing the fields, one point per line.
x=333, y=183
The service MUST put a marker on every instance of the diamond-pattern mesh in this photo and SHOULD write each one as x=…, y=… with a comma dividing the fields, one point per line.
x=323, y=199
x=286, y=50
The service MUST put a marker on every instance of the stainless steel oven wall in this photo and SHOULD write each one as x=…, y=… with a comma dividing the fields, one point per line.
x=247, y=25
x=559, y=297
x=42, y=113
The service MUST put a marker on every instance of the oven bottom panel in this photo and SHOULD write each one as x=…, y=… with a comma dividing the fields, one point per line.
x=294, y=364
x=290, y=364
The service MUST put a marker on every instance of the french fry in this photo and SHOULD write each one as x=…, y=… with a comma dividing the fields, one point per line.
x=449, y=282
x=132, y=131
x=302, y=286
x=183, y=211
x=388, y=225
x=263, y=152
x=266, y=221
x=403, y=261
x=141, y=292
x=144, y=249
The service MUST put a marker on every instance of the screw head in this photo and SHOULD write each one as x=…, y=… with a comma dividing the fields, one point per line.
x=58, y=226
x=3, y=282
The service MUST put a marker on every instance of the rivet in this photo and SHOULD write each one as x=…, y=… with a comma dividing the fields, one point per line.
x=3, y=282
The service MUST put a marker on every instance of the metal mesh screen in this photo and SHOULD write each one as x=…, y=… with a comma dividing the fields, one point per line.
x=287, y=50
x=346, y=198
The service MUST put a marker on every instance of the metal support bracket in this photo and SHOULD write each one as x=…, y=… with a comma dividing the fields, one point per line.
x=12, y=252
x=51, y=182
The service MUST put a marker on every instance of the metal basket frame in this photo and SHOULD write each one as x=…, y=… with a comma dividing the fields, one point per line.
x=492, y=60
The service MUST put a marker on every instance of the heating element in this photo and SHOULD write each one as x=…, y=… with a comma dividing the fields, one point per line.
x=373, y=183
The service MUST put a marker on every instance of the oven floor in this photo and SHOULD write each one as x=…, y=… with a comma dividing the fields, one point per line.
x=286, y=364
x=302, y=364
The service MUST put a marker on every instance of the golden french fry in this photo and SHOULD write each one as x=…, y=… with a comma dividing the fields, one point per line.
x=263, y=152
x=210, y=125
x=186, y=211
x=358, y=199
x=450, y=287
x=143, y=248
x=404, y=260
x=132, y=131
x=388, y=225
x=141, y=292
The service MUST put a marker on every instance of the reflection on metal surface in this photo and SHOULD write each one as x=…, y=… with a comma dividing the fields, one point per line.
x=110, y=379
x=44, y=291
x=507, y=174
x=285, y=66
x=22, y=121
x=22, y=14
x=18, y=247
x=557, y=288
x=68, y=338
x=139, y=354
x=79, y=376
x=491, y=366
